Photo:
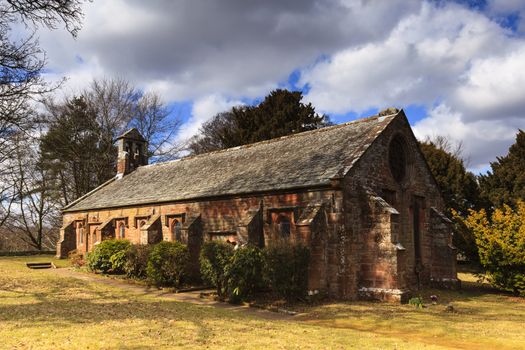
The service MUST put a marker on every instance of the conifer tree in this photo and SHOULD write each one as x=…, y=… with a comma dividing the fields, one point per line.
x=505, y=183
x=281, y=113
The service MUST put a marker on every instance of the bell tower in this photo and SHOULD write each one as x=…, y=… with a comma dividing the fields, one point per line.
x=132, y=152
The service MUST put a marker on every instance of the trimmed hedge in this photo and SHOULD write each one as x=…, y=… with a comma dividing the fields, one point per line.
x=244, y=273
x=286, y=269
x=168, y=264
x=101, y=257
x=214, y=257
x=137, y=260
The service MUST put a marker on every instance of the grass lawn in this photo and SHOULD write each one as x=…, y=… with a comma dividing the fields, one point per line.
x=40, y=309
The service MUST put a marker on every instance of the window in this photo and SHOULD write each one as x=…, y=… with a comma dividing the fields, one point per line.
x=176, y=230
x=397, y=158
x=80, y=234
x=284, y=225
x=122, y=230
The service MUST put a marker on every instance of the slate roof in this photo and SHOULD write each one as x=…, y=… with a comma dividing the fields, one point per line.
x=132, y=134
x=301, y=160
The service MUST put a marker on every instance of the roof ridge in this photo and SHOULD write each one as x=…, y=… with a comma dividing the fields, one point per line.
x=281, y=138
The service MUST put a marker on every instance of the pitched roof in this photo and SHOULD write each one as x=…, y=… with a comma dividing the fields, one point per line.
x=305, y=159
x=132, y=134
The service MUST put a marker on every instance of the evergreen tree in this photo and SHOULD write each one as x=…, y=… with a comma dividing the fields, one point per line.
x=281, y=113
x=458, y=186
x=505, y=184
x=71, y=150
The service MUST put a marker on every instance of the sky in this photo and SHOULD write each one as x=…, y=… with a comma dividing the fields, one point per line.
x=457, y=68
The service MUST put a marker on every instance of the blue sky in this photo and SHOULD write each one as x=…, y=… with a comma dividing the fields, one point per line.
x=457, y=68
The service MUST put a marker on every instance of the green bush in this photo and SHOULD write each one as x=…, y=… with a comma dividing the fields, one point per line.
x=286, y=269
x=168, y=263
x=501, y=244
x=118, y=260
x=214, y=257
x=100, y=258
x=243, y=273
x=137, y=260
x=417, y=302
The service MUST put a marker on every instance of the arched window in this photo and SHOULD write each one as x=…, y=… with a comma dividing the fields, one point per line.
x=80, y=234
x=397, y=158
x=122, y=231
x=176, y=230
x=284, y=225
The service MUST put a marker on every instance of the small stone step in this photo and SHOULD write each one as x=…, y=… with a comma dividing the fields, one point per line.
x=40, y=265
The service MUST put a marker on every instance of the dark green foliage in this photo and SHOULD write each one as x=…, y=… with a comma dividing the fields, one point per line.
x=281, y=113
x=72, y=149
x=286, y=269
x=243, y=273
x=168, y=263
x=505, y=183
x=100, y=258
x=137, y=260
x=214, y=257
x=458, y=187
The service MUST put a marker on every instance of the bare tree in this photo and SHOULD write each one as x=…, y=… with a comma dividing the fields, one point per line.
x=22, y=61
x=33, y=220
x=21, y=83
x=78, y=145
x=154, y=120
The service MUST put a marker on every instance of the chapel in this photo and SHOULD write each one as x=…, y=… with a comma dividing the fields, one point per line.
x=360, y=195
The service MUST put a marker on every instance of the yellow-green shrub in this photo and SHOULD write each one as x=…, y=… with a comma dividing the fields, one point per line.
x=501, y=244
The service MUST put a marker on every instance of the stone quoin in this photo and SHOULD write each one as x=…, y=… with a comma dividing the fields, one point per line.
x=360, y=195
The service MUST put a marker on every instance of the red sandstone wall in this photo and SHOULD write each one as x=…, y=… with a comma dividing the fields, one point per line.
x=373, y=265
x=223, y=215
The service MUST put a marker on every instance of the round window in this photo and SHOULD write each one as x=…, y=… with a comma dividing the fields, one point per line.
x=397, y=158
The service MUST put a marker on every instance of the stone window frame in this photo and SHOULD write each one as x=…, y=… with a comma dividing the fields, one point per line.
x=275, y=215
x=121, y=230
x=80, y=233
x=406, y=155
x=176, y=229
x=168, y=218
x=139, y=218
x=284, y=224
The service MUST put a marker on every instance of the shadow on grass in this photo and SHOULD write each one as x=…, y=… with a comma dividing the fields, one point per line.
x=66, y=302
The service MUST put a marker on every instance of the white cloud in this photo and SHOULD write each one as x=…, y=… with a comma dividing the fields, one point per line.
x=378, y=54
x=482, y=140
x=421, y=61
x=493, y=87
x=203, y=110
x=457, y=58
x=231, y=47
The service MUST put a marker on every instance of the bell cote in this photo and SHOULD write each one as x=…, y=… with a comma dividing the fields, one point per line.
x=132, y=152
